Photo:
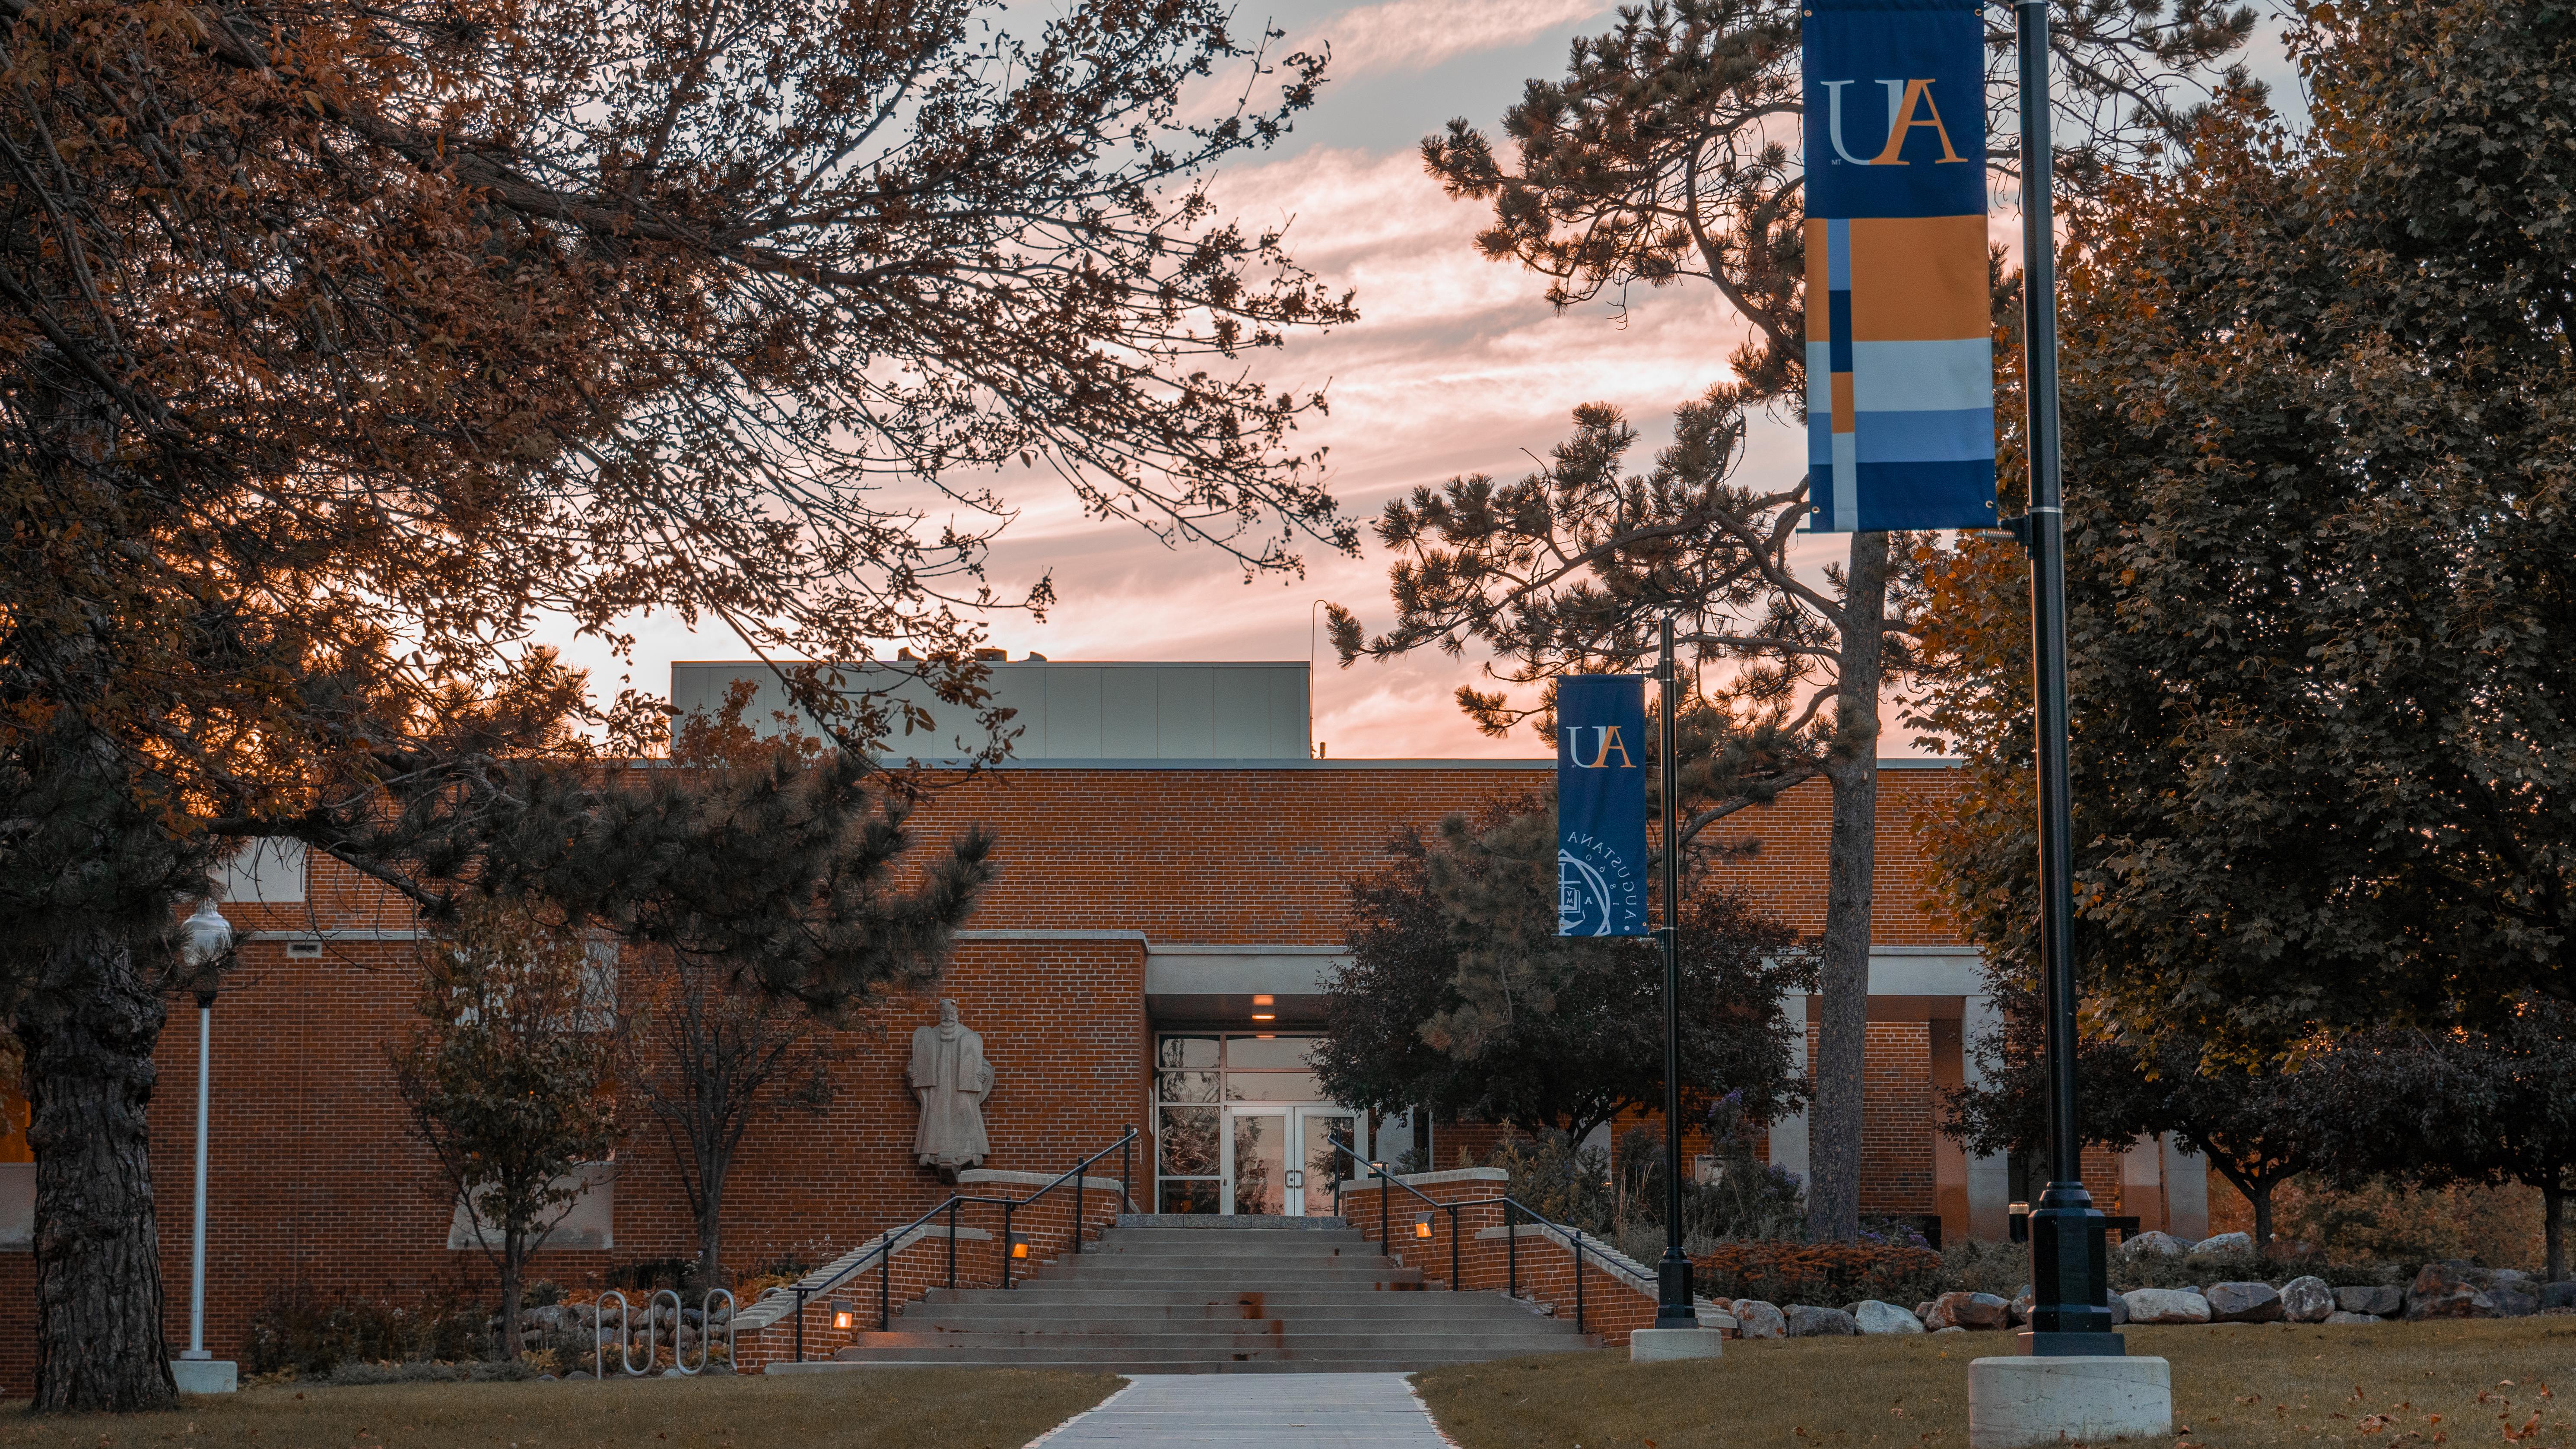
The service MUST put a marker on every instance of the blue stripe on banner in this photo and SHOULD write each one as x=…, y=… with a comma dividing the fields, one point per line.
x=1820, y=437
x=1927, y=495
x=1838, y=255
x=1890, y=377
x=1960, y=436
x=1838, y=318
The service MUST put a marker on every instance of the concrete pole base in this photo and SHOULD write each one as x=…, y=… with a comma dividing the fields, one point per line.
x=205, y=1375
x=2016, y=1403
x=1662, y=1345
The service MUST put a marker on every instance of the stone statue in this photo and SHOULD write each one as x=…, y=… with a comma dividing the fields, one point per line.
x=952, y=1079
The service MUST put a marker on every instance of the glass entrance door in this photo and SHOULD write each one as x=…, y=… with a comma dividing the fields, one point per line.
x=1286, y=1161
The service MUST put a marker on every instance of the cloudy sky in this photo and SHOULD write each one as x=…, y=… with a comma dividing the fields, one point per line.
x=1458, y=365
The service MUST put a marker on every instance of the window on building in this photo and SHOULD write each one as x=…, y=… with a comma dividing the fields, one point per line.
x=1196, y=1075
x=269, y=870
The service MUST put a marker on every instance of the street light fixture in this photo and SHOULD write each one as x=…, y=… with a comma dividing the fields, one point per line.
x=205, y=944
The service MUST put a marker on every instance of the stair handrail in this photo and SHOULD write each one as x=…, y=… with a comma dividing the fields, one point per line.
x=1511, y=1235
x=883, y=1252
x=1386, y=1243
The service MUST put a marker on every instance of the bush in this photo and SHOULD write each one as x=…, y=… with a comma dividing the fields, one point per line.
x=296, y=1328
x=430, y=1372
x=1976, y=1267
x=1823, y=1273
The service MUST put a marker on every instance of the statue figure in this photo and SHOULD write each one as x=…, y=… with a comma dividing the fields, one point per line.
x=952, y=1079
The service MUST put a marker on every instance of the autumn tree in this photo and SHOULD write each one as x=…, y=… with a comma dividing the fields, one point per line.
x=2316, y=407
x=1459, y=996
x=510, y=1081
x=343, y=344
x=1663, y=155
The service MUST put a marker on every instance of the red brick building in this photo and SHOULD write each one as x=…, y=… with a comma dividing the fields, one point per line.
x=1161, y=900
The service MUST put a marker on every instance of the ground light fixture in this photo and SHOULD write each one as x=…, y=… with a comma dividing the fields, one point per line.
x=1265, y=1016
x=844, y=1317
x=1422, y=1225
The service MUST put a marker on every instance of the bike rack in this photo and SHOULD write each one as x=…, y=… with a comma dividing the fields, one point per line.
x=706, y=1331
x=598, y=1320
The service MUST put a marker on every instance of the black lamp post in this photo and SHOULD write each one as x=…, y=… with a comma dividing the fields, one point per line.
x=2070, y=1311
x=1673, y=1275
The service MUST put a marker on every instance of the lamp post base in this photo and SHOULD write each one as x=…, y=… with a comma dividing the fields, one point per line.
x=2021, y=1402
x=205, y=1375
x=1662, y=1345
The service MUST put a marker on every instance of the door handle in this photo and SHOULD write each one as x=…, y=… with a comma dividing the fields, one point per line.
x=1296, y=1177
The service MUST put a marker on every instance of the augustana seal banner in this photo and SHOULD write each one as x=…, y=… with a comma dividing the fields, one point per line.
x=1900, y=352
x=1601, y=805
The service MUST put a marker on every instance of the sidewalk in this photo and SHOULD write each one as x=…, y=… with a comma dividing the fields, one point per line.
x=1274, y=1411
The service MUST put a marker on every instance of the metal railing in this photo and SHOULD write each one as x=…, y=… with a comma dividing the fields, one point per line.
x=883, y=1253
x=1511, y=1229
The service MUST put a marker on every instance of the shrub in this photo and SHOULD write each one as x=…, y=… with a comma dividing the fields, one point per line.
x=1822, y=1273
x=296, y=1328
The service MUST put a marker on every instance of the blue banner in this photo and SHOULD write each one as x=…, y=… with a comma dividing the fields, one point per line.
x=1900, y=358
x=1601, y=805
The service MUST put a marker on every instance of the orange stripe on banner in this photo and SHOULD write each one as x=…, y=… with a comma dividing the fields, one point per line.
x=1842, y=402
x=1918, y=278
x=1819, y=321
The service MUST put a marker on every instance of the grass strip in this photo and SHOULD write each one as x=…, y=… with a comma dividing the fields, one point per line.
x=2491, y=1385
x=893, y=1408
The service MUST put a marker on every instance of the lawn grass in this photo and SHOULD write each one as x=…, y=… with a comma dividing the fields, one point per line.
x=2235, y=1386
x=930, y=1408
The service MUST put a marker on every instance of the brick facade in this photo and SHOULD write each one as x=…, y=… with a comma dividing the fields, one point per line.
x=315, y=1182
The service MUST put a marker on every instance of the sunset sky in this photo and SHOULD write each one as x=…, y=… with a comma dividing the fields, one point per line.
x=1458, y=365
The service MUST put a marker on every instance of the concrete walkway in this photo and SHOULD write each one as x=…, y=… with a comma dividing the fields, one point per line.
x=1270, y=1411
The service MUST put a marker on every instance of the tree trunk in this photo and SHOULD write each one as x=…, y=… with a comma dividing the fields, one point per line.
x=2260, y=1195
x=713, y=1164
x=2553, y=1231
x=89, y=1029
x=1851, y=767
x=514, y=1258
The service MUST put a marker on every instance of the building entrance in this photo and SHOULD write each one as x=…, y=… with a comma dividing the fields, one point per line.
x=1242, y=1126
x=1287, y=1161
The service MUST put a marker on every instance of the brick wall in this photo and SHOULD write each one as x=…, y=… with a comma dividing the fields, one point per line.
x=316, y=1182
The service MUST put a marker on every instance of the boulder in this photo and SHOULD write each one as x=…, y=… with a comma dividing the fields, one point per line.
x=2340, y=1316
x=2516, y=1293
x=2307, y=1300
x=2380, y=1302
x=2558, y=1295
x=1872, y=1316
x=2153, y=1244
x=2243, y=1303
x=1806, y=1320
x=1923, y=1312
x=2119, y=1310
x=1976, y=1312
x=2454, y=1289
x=2019, y=1309
x=1757, y=1319
x=2225, y=1245
x=1953, y=1328
x=2149, y=1306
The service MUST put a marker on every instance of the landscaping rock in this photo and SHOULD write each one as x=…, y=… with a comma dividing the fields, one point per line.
x=1923, y=1313
x=2340, y=1316
x=2165, y=1305
x=1806, y=1320
x=1953, y=1328
x=2119, y=1310
x=2516, y=1293
x=2153, y=1244
x=2558, y=1295
x=2381, y=1302
x=1976, y=1312
x=2225, y=1245
x=1872, y=1316
x=2307, y=1300
x=2243, y=1303
x=1757, y=1319
x=2457, y=1289
x=2019, y=1309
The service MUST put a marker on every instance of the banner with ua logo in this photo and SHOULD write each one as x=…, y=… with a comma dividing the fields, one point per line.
x=1900, y=351
x=1601, y=805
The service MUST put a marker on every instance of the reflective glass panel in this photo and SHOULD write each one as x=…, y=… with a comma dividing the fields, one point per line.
x=1260, y=1165
x=1325, y=1165
x=1189, y=1197
x=1189, y=1086
x=1186, y=1051
x=1277, y=1051
x=1189, y=1141
x=1273, y=1087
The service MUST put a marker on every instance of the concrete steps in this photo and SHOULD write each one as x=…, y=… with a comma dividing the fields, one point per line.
x=1217, y=1295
